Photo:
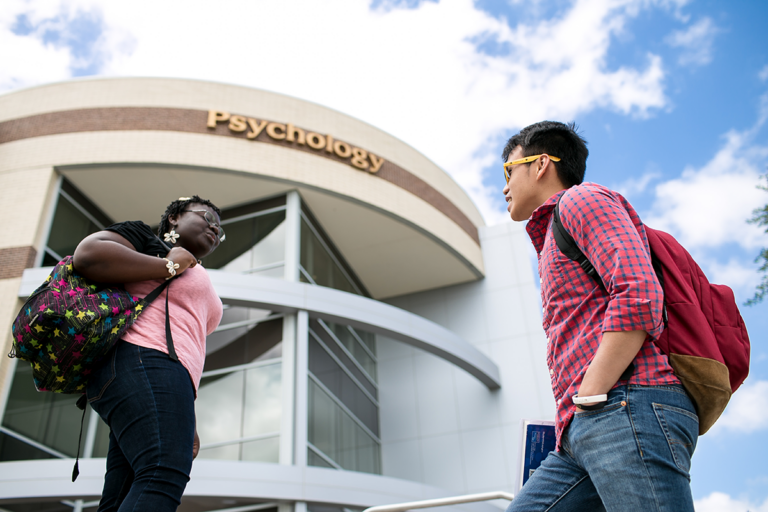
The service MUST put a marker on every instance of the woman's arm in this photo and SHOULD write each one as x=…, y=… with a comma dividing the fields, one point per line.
x=107, y=257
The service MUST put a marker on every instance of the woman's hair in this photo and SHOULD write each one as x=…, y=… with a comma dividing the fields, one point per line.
x=180, y=205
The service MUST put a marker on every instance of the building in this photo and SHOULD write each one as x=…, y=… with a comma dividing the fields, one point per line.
x=379, y=343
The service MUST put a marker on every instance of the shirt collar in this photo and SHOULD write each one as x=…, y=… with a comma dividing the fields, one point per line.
x=539, y=221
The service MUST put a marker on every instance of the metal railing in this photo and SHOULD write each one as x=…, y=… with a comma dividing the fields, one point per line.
x=441, y=502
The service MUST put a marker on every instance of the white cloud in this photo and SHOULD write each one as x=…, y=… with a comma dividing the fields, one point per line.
x=720, y=502
x=695, y=42
x=709, y=207
x=26, y=59
x=763, y=74
x=740, y=276
x=633, y=186
x=418, y=73
x=747, y=411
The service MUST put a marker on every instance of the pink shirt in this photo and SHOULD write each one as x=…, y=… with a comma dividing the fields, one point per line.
x=195, y=311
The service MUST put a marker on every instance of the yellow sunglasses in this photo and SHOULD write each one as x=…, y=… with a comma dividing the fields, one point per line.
x=524, y=161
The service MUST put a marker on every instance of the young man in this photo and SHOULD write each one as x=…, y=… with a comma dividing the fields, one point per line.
x=628, y=445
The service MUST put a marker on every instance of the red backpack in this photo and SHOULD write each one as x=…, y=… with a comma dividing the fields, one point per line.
x=704, y=338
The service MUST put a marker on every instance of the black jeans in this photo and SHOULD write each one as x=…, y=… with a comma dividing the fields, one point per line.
x=148, y=402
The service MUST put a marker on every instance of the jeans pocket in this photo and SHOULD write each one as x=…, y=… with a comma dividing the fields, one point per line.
x=613, y=405
x=102, y=377
x=681, y=429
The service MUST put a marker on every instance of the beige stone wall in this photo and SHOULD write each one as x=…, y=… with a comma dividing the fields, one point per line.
x=156, y=92
x=25, y=193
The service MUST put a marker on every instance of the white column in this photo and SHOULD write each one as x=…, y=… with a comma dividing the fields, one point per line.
x=90, y=435
x=5, y=391
x=292, y=235
x=288, y=387
x=300, y=395
x=45, y=229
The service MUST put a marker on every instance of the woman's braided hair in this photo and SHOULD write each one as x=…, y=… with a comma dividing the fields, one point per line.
x=179, y=206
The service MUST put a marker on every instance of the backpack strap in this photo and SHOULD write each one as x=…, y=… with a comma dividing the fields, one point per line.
x=568, y=247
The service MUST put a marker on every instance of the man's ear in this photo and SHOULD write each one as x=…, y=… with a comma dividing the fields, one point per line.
x=543, y=162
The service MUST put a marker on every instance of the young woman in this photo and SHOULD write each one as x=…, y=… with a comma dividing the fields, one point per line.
x=145, y=396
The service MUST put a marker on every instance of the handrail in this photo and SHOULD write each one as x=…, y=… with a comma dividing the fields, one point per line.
x=440, y=502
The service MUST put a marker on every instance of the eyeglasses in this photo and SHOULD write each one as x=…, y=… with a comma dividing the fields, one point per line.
x=524, y=161
x=211, y=220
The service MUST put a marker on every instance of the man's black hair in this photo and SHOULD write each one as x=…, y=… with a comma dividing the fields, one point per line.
x=555, y=139
x=179, y=206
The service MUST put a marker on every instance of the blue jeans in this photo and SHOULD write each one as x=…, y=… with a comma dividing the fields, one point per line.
x=634, y=454
x=148, y=402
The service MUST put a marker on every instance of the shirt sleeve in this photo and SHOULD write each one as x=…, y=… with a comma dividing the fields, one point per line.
x=141, y=237
x=605, y=233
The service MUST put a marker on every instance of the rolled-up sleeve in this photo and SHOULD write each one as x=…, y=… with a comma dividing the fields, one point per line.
x=618, y=249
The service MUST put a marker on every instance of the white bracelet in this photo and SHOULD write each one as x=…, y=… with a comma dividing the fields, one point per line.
x=589, y=399
x=171, y=266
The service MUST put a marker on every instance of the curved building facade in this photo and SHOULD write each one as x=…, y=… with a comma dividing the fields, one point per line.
x=379, y=343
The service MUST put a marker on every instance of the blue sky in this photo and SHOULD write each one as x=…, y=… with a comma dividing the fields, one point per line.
x=672, y=96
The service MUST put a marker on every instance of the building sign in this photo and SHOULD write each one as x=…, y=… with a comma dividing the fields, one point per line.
x=356, y=157
x=538, y=441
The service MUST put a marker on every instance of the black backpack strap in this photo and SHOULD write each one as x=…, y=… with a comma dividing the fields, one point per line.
x=568, y=247
x=168, y=337
x=149, y=299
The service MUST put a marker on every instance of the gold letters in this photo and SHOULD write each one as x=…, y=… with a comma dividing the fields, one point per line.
x=315, y=140
x=291, y=131
x=255, y=127
x=358, y=157
x=376, y=163
x=237, y=124
x=214, y=116
x=342, y=149
x=271, y=131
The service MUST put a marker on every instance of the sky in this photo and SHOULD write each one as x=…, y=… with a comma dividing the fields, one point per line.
x=671, y=95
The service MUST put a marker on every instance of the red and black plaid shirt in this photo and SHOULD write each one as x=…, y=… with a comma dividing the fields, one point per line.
x=577, y=311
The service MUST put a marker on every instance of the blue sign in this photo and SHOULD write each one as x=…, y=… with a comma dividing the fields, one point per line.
x=538, y=441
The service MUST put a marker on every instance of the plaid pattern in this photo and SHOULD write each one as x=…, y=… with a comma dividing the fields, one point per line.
x=576, y=311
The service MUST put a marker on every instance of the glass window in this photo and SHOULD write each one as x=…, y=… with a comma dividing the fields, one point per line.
x=69, y=227
x=51, y=419
x=319, y=265
x=255, y=243
x=12, y=448
x=314, y=459
x=262, y=450
x=239, y=413
x=338, y=436
x=74, y=219
x=239, y=339
x=359, y=344
x=343, y=412
x=338, y=382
